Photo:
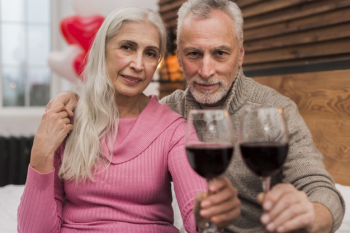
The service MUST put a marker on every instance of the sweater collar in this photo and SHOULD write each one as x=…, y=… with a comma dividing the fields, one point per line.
x=154, y=119
x=238, y=95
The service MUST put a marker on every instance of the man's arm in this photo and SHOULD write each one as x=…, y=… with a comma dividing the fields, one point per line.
x=68, y=99
x=288, y=209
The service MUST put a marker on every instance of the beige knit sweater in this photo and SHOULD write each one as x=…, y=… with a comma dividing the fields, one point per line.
x=303, y=167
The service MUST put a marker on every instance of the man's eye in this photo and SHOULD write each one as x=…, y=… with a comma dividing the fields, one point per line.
x=220, y=53
x=193, y=54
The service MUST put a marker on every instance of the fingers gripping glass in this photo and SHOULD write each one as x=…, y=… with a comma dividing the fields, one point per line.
x=209, y=144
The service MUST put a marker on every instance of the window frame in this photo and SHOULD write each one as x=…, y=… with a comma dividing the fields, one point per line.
x=33, y=111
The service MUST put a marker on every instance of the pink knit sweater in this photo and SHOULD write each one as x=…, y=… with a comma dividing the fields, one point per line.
x=132, y=195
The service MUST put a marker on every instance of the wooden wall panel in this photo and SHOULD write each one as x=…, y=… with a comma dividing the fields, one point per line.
x=299, y=33
x=292, y=13
x=168, y=9
x=323, y=100
x=244, y=3
x=268, y=6
x=295, y=52
x=313, y=22
x=305, y=37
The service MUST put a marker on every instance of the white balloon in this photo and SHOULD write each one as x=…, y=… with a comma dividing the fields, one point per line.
x=61, y=62
x=88, y=7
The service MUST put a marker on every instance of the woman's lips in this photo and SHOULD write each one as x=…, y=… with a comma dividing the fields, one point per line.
x=131, y=79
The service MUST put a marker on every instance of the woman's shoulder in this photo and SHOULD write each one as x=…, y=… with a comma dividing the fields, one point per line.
x=163, y=109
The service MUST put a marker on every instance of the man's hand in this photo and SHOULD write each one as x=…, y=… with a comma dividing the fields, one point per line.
x=222, y=206
x=288, y=209
x=68, y=98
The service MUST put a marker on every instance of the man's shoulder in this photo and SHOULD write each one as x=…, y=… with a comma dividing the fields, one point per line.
x=175, y=101
x=176, y=96
x=262, y=94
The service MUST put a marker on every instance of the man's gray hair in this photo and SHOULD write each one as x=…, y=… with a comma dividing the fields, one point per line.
x=202, y=8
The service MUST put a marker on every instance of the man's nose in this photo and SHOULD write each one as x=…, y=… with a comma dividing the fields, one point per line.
x=207, y=68
x=137, y=62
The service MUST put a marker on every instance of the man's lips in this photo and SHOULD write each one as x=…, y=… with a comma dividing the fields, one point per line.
x=206, y=87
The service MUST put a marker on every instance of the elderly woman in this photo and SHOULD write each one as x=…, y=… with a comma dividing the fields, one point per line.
x=113, y=172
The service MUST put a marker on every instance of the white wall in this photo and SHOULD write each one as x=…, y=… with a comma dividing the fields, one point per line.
x=25, y=121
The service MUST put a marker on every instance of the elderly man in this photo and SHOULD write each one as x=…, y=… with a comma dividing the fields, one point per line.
x=210, y=51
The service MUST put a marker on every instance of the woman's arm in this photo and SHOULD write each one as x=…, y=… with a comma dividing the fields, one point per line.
x=40, y=209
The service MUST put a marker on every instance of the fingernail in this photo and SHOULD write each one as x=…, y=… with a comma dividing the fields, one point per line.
x=203, y=213
x=270, y=226
x=267, y=205
x=205, y=203
x=212, y=188
x=265, y=219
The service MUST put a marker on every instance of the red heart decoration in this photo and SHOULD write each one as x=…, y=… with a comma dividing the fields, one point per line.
x=79, y=64
x=81, y=30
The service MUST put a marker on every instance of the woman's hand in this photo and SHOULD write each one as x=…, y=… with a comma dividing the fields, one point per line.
x=222, y=207
x=68, y=99
x=53, y=129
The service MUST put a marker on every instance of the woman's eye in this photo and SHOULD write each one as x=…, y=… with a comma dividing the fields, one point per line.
x=151, y=54
x=126, y=47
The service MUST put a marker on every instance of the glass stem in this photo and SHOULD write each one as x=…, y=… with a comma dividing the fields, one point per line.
x=210, y=227
x=266, y=184
x=266, y=187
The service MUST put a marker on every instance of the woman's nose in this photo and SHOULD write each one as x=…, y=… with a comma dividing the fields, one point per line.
x=137, y=62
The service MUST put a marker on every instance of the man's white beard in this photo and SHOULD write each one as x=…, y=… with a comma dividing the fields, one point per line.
x=210, y=96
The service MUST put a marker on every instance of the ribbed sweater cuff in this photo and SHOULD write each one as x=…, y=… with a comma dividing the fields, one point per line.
x=41, y=182
x=333, y=203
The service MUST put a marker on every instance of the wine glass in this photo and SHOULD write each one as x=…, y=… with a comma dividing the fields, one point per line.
x=263, y=141
x=209, y=142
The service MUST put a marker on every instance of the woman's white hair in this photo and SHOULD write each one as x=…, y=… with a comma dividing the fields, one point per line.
x=96, y=116
x=202, y=8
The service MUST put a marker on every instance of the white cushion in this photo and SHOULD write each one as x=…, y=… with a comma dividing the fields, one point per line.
x=10, y=196
x=345, y=191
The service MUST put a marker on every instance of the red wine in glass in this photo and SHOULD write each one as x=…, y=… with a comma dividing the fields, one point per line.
x=209, y=160
x=264, y=158
x=263, y=141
